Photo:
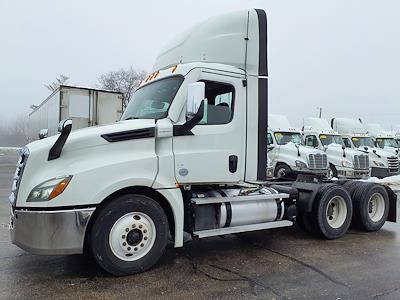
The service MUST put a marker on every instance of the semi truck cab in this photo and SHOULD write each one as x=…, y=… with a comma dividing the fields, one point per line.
x=383, y=139
x=289, y=156
x=355, y=136
x=188, y=158
x=343, y=162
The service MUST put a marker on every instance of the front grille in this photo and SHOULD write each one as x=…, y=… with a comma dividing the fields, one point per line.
x=18, y=176
x=318, y=161
x=393, y=164
x=361, y=162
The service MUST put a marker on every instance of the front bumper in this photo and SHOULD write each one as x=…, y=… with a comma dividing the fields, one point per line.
x=352, y=174
x=382, y=172
x=298, y=170
x=50, y=232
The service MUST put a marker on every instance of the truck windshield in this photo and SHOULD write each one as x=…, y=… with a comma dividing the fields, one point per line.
x=327, y=139
x=152, y=101
x=282, y=138
x=362, y=141
x=386, y=142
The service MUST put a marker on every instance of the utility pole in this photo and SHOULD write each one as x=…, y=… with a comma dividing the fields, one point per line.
x=320, y=112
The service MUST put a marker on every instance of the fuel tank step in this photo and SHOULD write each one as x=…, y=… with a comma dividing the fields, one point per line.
x=243, y=228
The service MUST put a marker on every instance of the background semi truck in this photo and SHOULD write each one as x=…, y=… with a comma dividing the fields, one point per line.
x=179, y=162
x=354, y=135
x=288, y=155
x=84, y=106
x=343, y=162
x=383, y=139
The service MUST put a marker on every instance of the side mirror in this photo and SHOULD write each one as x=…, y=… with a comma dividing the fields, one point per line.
x=64, y=124
x=43, y=133
x=315, y=143
x=195, y=95
x=270, y=147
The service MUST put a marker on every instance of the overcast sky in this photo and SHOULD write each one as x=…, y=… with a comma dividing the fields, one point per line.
x=341, y=55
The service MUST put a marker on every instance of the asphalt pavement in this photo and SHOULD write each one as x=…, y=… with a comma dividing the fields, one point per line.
x=275, y=264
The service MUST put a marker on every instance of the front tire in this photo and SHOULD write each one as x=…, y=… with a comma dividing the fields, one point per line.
x=282, y=171
x=332, y=172
x=129, y=235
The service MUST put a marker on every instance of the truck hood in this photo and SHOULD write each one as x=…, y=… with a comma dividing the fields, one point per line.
x=291, y=147
x=336, y=150
x=91, y=136
x=382, y=153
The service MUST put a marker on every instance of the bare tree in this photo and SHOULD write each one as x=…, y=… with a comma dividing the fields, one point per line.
x=60, y=80
x=14, y=132
x=124, y=81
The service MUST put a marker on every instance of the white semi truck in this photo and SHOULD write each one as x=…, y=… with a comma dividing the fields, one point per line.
x=289, y=157
x=343, y=162
x=83, y=105
x=188, y=156
x=383, y=139
x=354, y=135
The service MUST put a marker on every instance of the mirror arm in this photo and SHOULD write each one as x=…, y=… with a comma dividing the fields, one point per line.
x=186, y=129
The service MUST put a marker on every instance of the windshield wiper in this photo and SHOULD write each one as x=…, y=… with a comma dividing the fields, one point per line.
x=132, y=118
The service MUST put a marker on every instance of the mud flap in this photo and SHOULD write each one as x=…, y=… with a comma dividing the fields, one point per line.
x=394, y=205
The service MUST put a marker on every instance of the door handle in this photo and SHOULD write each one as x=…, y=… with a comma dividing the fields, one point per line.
x=233, y=161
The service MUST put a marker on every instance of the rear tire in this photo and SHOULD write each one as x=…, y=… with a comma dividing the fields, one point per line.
x=371, y=206
x=129, y=235
x=332, y=211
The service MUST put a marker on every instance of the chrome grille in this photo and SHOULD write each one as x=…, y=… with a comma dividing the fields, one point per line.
x=361, y=162
x=318, y=161
x=393, y=164
x=17, y=176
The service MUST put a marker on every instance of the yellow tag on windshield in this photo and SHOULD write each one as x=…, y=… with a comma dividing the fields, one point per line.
x=322, y=136
x=278, y=135
x=354, y=139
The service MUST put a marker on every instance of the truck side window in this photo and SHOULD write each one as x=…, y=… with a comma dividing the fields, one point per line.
x=347, y=142
x=220, y=100
x=269, y=139
x=311, y=141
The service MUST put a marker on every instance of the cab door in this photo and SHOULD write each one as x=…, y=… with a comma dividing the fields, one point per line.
x=215, y=151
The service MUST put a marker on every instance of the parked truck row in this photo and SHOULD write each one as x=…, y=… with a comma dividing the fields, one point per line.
x=345, y=149
x=187, y=161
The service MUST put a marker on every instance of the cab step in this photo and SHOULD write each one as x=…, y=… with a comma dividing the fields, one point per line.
x=252, y=227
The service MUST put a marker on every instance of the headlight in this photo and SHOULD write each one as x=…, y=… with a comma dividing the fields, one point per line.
x=347, y=164
x=301, y=164
x=49, y=189
x=378, y=163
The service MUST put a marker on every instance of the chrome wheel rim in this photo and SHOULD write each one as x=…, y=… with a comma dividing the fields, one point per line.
x=132, y=236
x=336, y=212
x=376, y=207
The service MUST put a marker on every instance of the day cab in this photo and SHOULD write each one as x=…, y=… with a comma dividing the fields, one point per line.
x=343, y=162
x=288, y=155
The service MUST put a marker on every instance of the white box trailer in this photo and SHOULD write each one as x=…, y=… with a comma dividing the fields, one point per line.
x=85, y=106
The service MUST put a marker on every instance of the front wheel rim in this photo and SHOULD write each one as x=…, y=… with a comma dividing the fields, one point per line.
x=376, y=207
x=281, y=173
x=336, y=212
x=330, y=173
x=132, y=236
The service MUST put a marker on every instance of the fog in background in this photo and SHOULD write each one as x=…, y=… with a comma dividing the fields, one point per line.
x=342, y=56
